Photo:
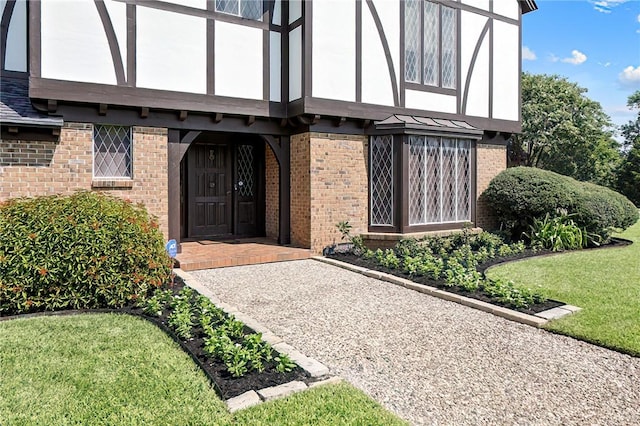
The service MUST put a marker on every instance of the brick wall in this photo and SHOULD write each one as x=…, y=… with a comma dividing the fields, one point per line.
x=272, y=193
x=328, y=185
x=300, y=191
x=32, y=168
x=491, y=160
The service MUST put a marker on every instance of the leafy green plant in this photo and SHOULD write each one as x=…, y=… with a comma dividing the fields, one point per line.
x=285, y=364
x=181, y=321
x=154, y=305
x=87, y=250
x=507, y=293
x=557, y=233
x=344, y=227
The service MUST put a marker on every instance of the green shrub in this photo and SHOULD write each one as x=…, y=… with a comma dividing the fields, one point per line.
x=87, y=250
x=556, y=233
x=521, y=194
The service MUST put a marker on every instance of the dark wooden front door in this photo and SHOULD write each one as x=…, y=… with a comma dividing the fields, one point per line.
x=225, y=190
x=210, y=190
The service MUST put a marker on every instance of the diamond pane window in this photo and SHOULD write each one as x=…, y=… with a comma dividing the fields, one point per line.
x=245, y=170
x=249, y=9
x=112, y=157
x=412, y=50
x=448, y=48
x=431, y=44
x=381, y=180
x=439, y=180
x=227, y=6
x=430, y=39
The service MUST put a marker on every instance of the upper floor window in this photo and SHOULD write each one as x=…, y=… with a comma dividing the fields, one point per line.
x=112, y=152
x=249, y=9
x=430, y=31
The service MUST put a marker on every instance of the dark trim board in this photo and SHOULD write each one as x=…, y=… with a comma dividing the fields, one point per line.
x=112, y=40
x=40, y=88
x=329, y=107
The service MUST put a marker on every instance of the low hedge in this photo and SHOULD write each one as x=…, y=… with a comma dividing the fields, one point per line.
x=520, y=194
x=87, y=250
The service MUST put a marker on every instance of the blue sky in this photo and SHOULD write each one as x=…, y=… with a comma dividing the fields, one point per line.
x=595, y=43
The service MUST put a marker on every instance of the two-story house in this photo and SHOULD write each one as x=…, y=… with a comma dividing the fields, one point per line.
x=231, y=118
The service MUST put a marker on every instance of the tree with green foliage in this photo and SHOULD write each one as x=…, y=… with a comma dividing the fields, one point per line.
x=628, y=181
x=564, y=131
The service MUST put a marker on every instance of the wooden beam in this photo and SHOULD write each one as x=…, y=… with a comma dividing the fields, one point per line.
x=217, y=117
x=55, y=131
x=284, y=122
x=52, y=105
x=102, y=109
x=366, y=123
x=13, y=130
x=183, y=115
x=341, y=121
x=251, y=119
x=144, y=112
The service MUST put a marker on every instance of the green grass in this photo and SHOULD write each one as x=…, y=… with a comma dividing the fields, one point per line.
x=605, y=283
x=107, y=369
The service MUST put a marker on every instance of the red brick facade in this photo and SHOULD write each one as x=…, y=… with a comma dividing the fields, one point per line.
x=491, y=160
x=31, y=168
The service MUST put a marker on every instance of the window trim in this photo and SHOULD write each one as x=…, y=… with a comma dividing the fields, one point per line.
x=421, y=85
x=401, y=181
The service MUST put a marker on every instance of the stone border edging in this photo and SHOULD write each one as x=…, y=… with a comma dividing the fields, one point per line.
x=538, y=320
x=313, y=368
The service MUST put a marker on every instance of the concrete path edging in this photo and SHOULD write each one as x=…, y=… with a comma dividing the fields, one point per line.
x=538, y=320
x=318, y=372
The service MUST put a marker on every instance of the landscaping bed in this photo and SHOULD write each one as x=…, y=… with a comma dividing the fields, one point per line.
x=440, y=284
x=493, y=252
x=226, y=384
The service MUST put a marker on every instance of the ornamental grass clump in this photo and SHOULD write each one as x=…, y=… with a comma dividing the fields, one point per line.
x=87, y=250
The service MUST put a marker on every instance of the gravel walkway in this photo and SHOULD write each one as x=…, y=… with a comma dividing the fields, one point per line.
x=432, y=361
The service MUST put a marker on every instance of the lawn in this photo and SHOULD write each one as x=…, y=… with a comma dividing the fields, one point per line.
x=605, y=283
x=108, y=369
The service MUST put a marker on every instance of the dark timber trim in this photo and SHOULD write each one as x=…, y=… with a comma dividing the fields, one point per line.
x=403, y=71
x=387, y=51
x=307, y=56
x=4, y=30
x=131, y=45
x=266, y=55
x=35, y=40
x=211, y=51
x=490, y=100
x=41, y=88
x=358, y=57
x=472, y=64
x=114, y=47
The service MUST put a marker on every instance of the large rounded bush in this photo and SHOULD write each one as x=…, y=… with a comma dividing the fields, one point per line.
x=520, y=194
x=87, y=250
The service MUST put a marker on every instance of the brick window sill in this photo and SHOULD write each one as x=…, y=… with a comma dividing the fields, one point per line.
x=112, y=184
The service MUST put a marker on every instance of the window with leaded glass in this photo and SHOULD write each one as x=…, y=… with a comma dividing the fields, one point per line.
x=112, y=152
x=439, y=180
x=430, y=36
x=381, y=161
x=249, y=9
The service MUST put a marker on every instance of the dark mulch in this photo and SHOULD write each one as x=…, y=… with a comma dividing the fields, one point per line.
x=225, y=385
x=440, y=284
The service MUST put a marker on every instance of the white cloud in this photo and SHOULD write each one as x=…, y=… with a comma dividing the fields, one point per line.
x=605, y=64
x=577, y=58
x=605, y=6
x=528, y=54
x=630, y=76
x=553, y=58
x=638, y=18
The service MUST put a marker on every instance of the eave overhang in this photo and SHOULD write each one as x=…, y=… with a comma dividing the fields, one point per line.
x=414, y=125
x=16, y=109
x=528, y=6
